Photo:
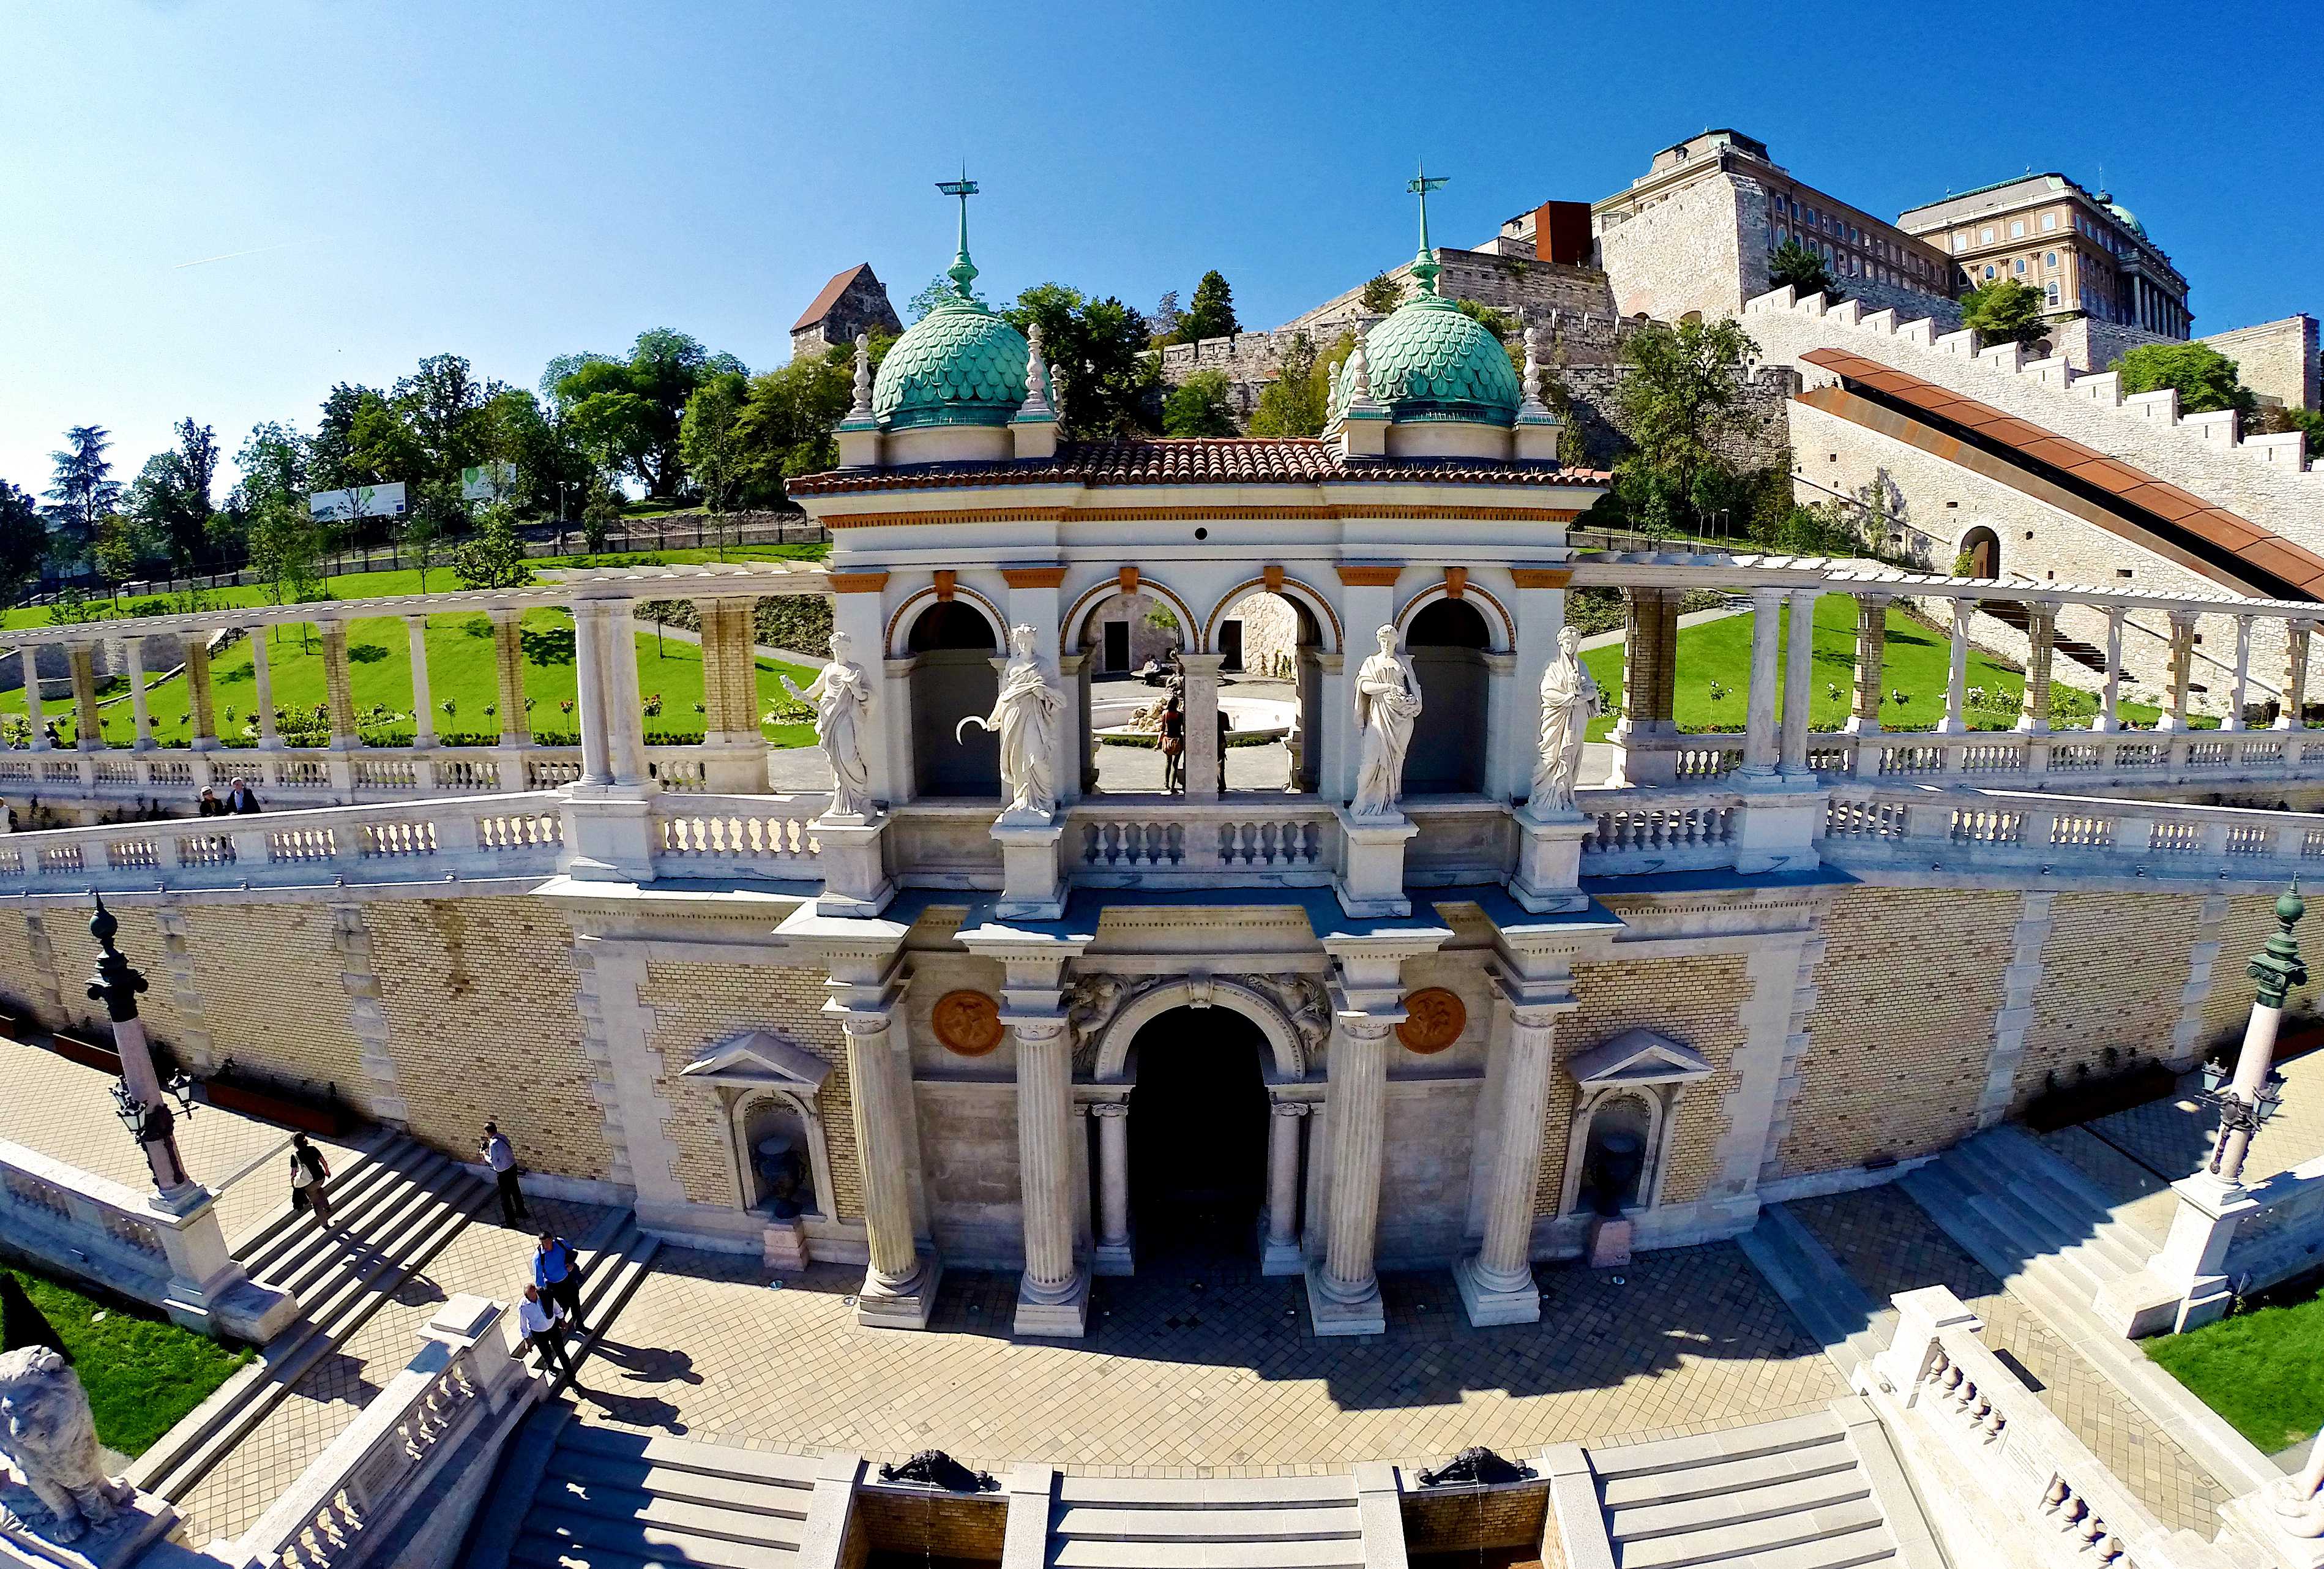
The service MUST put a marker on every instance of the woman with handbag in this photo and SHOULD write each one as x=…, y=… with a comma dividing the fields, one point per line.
x=1174, y=743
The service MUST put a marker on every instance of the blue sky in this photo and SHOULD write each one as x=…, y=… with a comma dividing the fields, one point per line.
x=511, y=182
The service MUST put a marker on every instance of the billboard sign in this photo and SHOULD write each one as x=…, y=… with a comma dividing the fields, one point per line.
x=489, y=482
x=364, y=501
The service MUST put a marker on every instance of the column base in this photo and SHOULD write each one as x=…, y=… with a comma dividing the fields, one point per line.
x=856, y=884
x=1114, y=1258
x=1489, y=1304
x=1053, y=1318
x=1278, y=1258
x=1371, y=877
x=906, y=1303
x=1032, y=869
x=1331, y=1315
x=252, y=1313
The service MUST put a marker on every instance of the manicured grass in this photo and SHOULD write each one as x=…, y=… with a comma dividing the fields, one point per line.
x=142, y=1372
x=2264, y=1372
x=1714, y=677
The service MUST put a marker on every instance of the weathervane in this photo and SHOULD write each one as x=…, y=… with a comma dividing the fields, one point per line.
x=1424, y=265
x=962, y=272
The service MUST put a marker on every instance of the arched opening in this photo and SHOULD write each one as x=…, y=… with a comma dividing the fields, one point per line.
x=1614, y=1159
x=1271, y=690
x=1447, y=641
x=778, y=1177
x=1198, y=1115
x=954, y=678
x=1981, y=552
x=1129, y=643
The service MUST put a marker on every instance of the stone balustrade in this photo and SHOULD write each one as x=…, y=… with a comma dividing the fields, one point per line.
x=2019, y=831
x=2134, y=759
x=1284, y=840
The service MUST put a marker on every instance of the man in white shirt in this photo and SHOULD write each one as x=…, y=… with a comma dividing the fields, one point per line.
x=542, y=1326
x=501, y=1155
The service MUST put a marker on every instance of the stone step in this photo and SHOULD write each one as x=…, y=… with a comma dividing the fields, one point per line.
x=1085, y=1522
x=508, y=1497
x=789, y=1470
x=1668, y=1454
x=1810, y=1528
x=587, y=1542
x=1272, y=1552
x=1821, y=1294
x=1821, y=1458
x=572, y=1474
x=1236, y=1492
x=1862, y=1549
x=1718, y=1511
x=405, y=1212
x=568, y=1501
x=368, y=1193
x=2056, y=1179
x=354, y=1174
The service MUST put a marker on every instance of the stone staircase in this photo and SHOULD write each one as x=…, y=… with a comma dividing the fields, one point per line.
x=2022, y=1211
x=1279, y=1522
x=1818, y=1491
x=1849, y=1324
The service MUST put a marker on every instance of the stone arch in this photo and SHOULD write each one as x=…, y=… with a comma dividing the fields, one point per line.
x=746, y=1104
x=1500, y=626
x=1069, y=625
x=1282, y=1040
x=1981, y=543
x=1655, y=1113
x=919, y=603
x=1327, y=620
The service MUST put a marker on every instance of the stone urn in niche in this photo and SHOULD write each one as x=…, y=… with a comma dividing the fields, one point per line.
x=1616, y=1160
x=778, y=1159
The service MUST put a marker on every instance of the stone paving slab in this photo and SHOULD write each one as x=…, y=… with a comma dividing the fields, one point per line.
x=1888, y=1243
x=1203, y=1369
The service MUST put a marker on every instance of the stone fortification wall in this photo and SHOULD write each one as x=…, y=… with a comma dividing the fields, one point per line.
x=2277, y=359
x=2090, y=345
x=1695, y=251
x=1511, y=284
x=1597, y=410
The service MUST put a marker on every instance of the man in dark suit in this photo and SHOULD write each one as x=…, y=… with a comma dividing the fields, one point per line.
x=240, y=801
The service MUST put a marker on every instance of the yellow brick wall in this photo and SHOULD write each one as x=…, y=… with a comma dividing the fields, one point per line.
x=273, y=993
x=484, y=1024
x=2227, y=1006
x=140, y=942
x=2113, y=971
x=696, y=1005
x=1692, y=1000
x=1902, y=1033
x=23, y=985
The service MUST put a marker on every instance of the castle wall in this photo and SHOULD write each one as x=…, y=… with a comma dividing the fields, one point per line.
x=2275, y=359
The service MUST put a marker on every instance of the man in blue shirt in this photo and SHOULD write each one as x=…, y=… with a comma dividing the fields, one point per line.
x=556, y=1271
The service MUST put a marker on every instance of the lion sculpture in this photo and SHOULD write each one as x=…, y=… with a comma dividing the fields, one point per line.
x=46, y=1434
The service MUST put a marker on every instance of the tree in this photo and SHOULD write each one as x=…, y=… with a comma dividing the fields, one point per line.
x=1682, y=397
x=284, y=541
x=940, y=290
x=1099, y=358
x=1165, y=320
x=598, y=516
x=23, y=542
x=1803, y=269
x=1199, y=407
x=627, y=413
x=2206, y=379
x=1382, y=295
x=708, y=441
x=81, y=489
x=1296, y=402
x=1212, y=313
x=2004, y=312
x=785, y=427
x=494, y=557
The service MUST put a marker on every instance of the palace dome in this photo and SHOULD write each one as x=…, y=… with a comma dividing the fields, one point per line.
x=1428, y=361
x=959, y=364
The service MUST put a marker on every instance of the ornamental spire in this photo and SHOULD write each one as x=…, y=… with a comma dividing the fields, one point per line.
x=962, y=272
x=1424, y=264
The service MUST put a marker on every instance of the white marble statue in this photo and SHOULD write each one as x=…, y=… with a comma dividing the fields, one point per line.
x=46, y=1432
x=1387, y=705
x=1025, y=716
x=841, y=694
x=2297, y=1500
x=1569, y=699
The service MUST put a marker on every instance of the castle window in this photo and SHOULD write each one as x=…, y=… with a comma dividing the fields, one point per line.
x=2016, y=228
x=2049, y=258
x=2049, y=222
x=1984, y=236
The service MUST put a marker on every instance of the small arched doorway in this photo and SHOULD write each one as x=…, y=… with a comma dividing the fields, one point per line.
x=954, y=678
x=1447, y=642
x=1981, y=553
x=1198, y=1111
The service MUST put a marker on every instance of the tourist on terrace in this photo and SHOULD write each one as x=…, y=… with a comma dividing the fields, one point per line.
x=541, y=1325
x=240, y=801
x=501, y=1155
x=210, y=806
x=557, y=1270
x=309, y=1172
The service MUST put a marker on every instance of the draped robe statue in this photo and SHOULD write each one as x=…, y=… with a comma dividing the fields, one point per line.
x=841, y=694
x=1570, y=698
x=1025, y=716
x=1387, y=704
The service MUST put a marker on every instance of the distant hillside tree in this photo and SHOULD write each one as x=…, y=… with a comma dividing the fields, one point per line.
x=1210, y=314
x=2004, y=312
x=1803, y=269
x=1682, y=399
x=2206, y=379
x=1382, y=295
x=1200, y=406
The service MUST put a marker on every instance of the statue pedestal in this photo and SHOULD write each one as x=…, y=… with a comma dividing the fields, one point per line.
x=1032, y=869
x=142, y=1522
x=855, y=879
x=1610, y=1242
x=609, y=833
x=2252, y=1519
x=1548, y=877
x=1372, y=865
x=2184, y=1286
x=786, y=1246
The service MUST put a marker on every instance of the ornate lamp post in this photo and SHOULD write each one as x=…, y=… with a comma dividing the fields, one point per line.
x=140, y=1099
x=2257, y=1090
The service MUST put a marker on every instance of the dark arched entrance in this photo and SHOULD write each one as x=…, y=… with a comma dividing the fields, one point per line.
x=953, y=677
x=1197, y=1134
x=1982, y=548
x=1447, y=641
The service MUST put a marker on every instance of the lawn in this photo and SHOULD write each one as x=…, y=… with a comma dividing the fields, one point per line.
x=2263, y=1371
x=1714, y=671
x=143, y=1372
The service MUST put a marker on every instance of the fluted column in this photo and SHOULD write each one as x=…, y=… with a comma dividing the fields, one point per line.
x=625, y=732
x=339, y=686
x=508, y=666
x=1956, y=719
x=263, y=674
x=81, y=659
x=1497, y=1284
x=137, y=711
x=2295, y=675
x=2239, y=689
x=899, y=1284
x=31, y=654
x=2182, y=668
x=2110, y=699
x=1280, y=1255
x=588, y=670
x=1113, y=1251
x=423, y=711
x=1871, y=663
x=1204, y=761
x=1343, y=1288
x=1799, y=679
x=1053, y=1297
x=1759, y=740
x=2041, y=648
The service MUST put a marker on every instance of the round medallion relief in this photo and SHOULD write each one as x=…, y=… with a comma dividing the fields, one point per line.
x=1435, y=1019
x=967, y=1022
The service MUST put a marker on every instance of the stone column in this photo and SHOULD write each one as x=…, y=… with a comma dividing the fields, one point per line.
x=1076, y=769
x=1114, y=1251
x=1799, y=681
x=2295, y=675
x=626, y=733
x=1496, y=1283
x=899, y=1286
x=143, y=720
x=2109, y=718
x=1053, y=1298
x=734, y=747
x=2040, y=644
x=1280, y=1255
x=1203, y=757
x=1343, y=1293
x=31, y=655
x=508, y=666
x=1649, y=687
x=81, y=658
x=2239, y=689
x=1956, y=719
x=1871, y=663
x=262, y=673
x=423, y=708
x=2182, y=668
x=588, y=669
x=201, y=700
x=1760, y=736
x=346, y=736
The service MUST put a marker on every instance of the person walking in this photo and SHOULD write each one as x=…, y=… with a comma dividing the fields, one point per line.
x=558, y=1272
x=540, y=1325
x=501, y=1155
x=309, y=1172
x=1174, y=743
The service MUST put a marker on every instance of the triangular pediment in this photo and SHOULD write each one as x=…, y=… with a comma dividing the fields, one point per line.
x=1639, y=1056
x=761, y=1057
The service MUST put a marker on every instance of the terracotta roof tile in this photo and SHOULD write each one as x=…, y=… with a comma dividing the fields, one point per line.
x=1225, y=461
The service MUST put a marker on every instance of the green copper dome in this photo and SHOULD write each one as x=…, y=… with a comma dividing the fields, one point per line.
x=959, y=364
x=1430, y=362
